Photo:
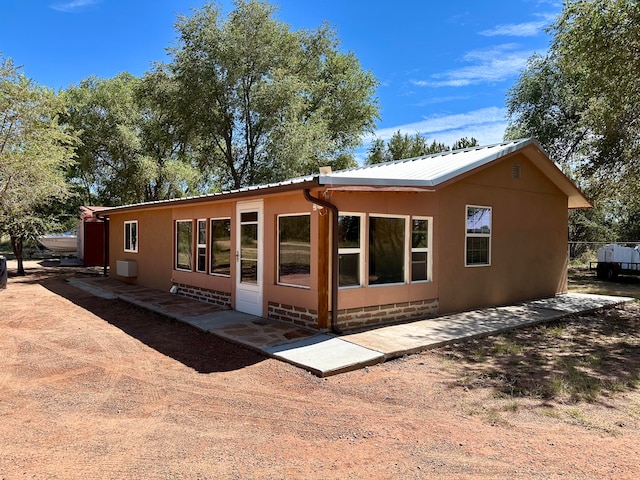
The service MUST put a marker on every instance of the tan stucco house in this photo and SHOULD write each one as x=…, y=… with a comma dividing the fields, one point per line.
x=384, y=243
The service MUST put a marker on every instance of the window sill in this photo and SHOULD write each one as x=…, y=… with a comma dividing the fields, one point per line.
x=303, y=287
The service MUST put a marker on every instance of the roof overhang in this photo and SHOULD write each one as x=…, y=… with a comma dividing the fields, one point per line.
x=540, y=159
x=271, y=189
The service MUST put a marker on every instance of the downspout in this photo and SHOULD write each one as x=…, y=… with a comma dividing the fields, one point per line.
x=334, y=255
x=105, y=234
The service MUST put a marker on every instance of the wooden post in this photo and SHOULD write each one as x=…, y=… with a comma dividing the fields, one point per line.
x=324, y=265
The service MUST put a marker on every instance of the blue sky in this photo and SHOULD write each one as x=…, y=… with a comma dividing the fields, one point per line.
x=444, y=66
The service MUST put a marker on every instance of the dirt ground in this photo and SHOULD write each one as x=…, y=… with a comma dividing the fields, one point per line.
x=98, y=389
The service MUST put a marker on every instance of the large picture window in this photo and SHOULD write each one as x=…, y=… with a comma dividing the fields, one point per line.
x=420, y=250
x=478, y=236
x=184, y=244
x=349, y=250
x=131, y=236
x=220, y=261
x=387, y=247
x=294, y=250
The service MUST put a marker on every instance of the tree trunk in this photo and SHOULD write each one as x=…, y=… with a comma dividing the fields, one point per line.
x=16, y=246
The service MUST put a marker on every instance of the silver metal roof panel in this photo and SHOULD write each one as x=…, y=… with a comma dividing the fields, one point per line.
x=427, y=171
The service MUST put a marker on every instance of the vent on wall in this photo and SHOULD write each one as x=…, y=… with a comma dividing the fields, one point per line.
x=515, y=171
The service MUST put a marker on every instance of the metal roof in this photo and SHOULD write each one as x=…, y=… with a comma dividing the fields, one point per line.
x=422, y=172
x=436, y=170
x=425, y=171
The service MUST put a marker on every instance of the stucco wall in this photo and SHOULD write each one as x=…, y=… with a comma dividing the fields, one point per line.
x=424, y=204
x=528, y=238
x=155, y=244
x=203, y=211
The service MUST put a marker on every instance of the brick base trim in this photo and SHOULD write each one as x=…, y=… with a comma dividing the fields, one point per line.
x=288, y=313
x=220, y=299
x=385, y=314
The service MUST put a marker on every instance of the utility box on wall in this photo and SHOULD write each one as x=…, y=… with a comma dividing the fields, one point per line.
x=126, y=268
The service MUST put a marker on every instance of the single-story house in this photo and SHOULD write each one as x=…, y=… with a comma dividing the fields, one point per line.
x=384, y=243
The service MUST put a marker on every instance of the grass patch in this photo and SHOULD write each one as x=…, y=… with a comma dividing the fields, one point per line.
x=580, y=358
x=551, y=412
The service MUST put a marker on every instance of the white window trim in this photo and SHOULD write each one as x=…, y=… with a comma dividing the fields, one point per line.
x=278, y=249
x=407, y=248
x=428, y=250
x=201, y=245
x=175, y=252
x=361, y=250
x=135, y=249
x=478, y=235
x=210, y=239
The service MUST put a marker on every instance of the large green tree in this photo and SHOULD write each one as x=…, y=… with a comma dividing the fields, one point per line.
x=36, y=153
x=132, y=149
x=580, y=100
x=261, y=102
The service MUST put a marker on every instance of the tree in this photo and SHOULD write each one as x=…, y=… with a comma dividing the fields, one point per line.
x=262, y=103
x=580, y=101
x=401, y=146
x=35, y=155
x=132, y=149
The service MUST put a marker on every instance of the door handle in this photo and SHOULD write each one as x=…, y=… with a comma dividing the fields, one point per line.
x=237, y=256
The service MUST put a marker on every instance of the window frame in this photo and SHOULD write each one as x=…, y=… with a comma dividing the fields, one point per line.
x=477, y=235
x=360, y=250
x=211, y=240
x=278, y=217
x=427, y=250
x=406, y=249
x=201, y=246
x=127, y=225
x=177, y=244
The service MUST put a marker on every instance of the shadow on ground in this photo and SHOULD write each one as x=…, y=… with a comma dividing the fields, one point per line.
x=581, y=358
x=201, y=351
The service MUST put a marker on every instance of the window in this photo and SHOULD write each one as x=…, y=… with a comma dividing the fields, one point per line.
x=220, y=261
x=478, y=236
x=349, y=250
x=131, y=236
x=184, y=244
x=294, y=250
x=420, y=253
x=201, y=248
x=387, y=247
x=249, y=236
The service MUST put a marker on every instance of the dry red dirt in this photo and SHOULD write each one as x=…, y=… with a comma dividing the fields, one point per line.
x=93, y=388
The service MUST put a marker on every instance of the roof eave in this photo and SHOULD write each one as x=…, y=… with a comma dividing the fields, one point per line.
x=259, y=190
x=328, y=181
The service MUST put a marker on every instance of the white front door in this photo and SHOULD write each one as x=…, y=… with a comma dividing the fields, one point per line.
x=249, y=246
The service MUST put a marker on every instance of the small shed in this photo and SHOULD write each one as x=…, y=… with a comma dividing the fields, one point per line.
x=92, y=236
x=385, y=243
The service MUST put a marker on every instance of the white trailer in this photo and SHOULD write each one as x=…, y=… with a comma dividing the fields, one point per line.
x=614, y=260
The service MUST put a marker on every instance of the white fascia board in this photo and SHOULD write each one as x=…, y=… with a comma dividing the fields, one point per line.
x=328, y=180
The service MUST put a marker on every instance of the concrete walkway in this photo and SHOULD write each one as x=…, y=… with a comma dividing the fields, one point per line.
x=329, y=354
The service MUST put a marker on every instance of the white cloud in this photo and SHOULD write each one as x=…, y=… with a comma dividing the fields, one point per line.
x=487, y=125
x=491, y=65
x=527, y=29
x=73, y=5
